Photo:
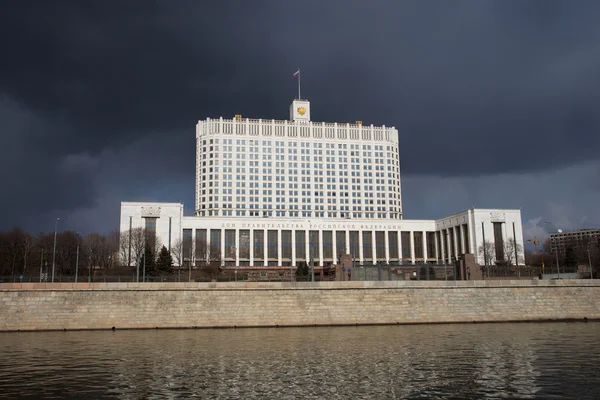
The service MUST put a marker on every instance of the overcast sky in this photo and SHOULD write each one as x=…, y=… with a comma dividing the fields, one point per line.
x=497, y=103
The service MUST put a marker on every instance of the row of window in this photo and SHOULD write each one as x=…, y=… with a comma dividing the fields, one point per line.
x=303, y=144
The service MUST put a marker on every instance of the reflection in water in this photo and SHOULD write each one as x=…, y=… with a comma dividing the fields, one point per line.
x=547, y=360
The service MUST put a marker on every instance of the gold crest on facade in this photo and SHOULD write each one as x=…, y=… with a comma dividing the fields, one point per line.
x=301, y=111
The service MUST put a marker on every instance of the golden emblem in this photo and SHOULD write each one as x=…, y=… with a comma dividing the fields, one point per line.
x=301, y=111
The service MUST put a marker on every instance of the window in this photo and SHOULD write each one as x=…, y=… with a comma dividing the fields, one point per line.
x=300, y=245
x=259, y=245
x=367, y=245
x=327, y=244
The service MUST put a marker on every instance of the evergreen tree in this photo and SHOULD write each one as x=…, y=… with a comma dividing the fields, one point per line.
x=571, y=261
x=164, y=263
x=150, y=264
x=301, y=271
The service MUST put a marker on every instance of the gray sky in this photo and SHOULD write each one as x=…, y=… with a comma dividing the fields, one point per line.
x=496, y=102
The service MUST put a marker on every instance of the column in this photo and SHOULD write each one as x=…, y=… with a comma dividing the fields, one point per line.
x=449, y=244
x=251, y=247
x=293, y=247
x=307, y=245
x=470, y=227
x=237, y=247
x=347, y=233
x=222, y=246
x=334, y=245
x=400, y=255
x=387, y=247
x=360, y=247
x=443, y=247
x=412, y=247
x=425, y=246
x=279, y=247
x=320, y=250
x=373, y=244
x=265, y=248
x=463, y=246
x=193, y=258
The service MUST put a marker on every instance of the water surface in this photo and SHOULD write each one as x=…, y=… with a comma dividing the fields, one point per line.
x=526, y=360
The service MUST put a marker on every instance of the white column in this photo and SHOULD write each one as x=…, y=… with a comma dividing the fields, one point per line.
x=400, y=255
x=279, y=247
x=334, y=246
x=251, y=239
x=293, y=247
x=424, y=246
x=348, y=250
x=463, y=246
x=320, y=247
x=265, y=248
x=437, y=251
x=387, y=246
x=449, y=244
x=373, y=244
x=412, y=246
x=193, y=246
x=237, y=247
x=471, y=226
x=222, y=245
x=360, y=246
x=307, y=245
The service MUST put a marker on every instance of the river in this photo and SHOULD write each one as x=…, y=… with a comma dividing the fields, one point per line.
x=521, y=360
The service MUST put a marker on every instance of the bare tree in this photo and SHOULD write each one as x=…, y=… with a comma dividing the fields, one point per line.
x=131, y=248
x=488, y=250
x=212, y=267
x=27, y=244
x=510, y=246
x=14, y=241
x=99, y=250
x=177, y=252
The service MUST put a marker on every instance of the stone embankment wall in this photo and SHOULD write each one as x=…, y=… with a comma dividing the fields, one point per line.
x=242, y=304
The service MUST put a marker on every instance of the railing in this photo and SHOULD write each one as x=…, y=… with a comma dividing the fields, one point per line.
x=278, y=128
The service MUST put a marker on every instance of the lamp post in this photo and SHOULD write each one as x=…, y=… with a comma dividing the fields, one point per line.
x=77, y=259
x=54, y=252
x=590, y=261
x=556, y=248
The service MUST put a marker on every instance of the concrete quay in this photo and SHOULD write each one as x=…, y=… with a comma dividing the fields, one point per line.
x=81, y=306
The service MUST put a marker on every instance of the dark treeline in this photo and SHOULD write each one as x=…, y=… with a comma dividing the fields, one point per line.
x=22, y=253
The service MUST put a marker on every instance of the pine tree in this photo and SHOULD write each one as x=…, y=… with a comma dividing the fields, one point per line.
x=164, y=263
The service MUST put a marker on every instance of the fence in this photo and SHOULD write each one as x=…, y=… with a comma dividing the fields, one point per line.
x=382, y=272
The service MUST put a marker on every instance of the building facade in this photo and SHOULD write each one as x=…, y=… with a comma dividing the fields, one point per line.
x=297, y=168
x=575, y=239
x=282, y=193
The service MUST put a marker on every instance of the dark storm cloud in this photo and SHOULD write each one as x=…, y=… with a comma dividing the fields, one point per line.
x=474, y=87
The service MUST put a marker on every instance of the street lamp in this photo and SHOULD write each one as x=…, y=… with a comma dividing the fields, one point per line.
x=590, y=260
x=556, y=247
x=54, y=252
x=77, y=260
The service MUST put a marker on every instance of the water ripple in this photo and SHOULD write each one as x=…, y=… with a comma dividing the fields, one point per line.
x=536, y=361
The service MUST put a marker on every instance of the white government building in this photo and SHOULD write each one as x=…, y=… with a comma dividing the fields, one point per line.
x=280, y=193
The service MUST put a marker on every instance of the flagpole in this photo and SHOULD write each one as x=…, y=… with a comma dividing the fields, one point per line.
x=299, y=84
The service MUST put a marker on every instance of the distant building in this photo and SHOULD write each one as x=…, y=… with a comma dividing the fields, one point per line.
x=575, y=239
x=281, y=193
